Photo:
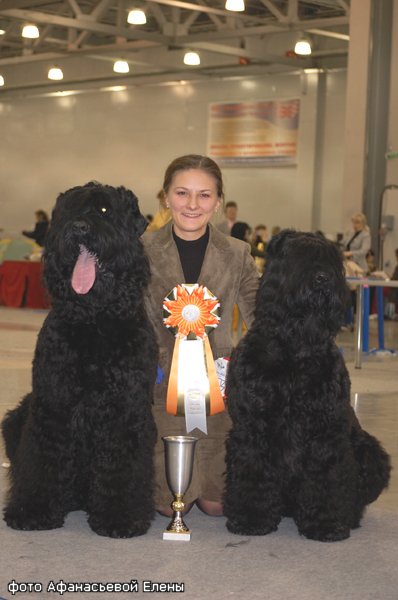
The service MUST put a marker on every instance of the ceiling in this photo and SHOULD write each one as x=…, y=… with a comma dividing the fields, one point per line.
x=84, y=37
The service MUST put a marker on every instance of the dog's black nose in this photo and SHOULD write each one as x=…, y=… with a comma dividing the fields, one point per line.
x=321, y=278
x=81, y=227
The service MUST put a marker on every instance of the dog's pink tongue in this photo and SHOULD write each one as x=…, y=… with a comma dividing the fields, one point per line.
x=83, y=275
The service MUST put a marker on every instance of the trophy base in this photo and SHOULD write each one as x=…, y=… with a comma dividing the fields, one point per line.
x=175, y=536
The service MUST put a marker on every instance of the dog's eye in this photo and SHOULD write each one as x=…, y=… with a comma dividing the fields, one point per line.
x=104, y=210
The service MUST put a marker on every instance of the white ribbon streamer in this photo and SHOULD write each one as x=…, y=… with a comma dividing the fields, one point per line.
x=193, y=383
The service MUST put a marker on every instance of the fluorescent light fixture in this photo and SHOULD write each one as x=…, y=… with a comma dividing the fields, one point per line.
x=303, y=47
x=235, y=5
x=55, y=73
x=2, y=82
x=136, y=17
x=192, y=59
x=30, y=31
x=121, y=66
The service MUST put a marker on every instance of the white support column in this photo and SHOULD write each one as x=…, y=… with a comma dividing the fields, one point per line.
x=356, y=109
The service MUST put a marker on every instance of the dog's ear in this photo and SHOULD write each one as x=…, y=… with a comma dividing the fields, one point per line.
x=275, y=246
x=140, y=222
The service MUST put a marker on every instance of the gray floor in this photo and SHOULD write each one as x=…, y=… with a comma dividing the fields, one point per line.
x=215, y=563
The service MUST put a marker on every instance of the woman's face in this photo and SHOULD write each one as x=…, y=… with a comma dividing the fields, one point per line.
x=357, y=224
x=192, y=199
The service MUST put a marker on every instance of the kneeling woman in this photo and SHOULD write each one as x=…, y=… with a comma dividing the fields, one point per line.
x=190, y=250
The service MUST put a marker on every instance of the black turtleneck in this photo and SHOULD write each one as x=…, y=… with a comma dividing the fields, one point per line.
x=192, y=254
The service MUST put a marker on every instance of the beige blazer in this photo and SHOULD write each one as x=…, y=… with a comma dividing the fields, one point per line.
x=228, y=271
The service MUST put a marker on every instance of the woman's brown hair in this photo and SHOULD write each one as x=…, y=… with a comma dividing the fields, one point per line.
x=194, y=161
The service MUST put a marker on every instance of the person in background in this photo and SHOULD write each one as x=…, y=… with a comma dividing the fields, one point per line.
x=231, y=214
x=163, y=215
x=40, y=231
x=393, y=292
x=356, y=244
x=371, y=262
x=241, y=231
x=355, y=247
x=275, y=230
x=189, y=249
x=260, y=235
x=259, y=244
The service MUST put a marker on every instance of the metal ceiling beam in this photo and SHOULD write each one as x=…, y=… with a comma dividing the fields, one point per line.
x=263, y=29
x=172, y=74
x=302, y=63
x=202, y=8
x=344, y=5
x=275, y=11
x=327, y=33
x=74, y=6
x=216, y=20
x=50, y=56
x=6, y=4
x=83, y=23
x=96, y=14
x=292, y=11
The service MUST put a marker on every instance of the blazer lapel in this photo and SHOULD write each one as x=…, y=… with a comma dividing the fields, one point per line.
x=214, y=258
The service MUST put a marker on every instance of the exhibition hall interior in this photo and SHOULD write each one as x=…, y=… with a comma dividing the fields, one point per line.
x=293, y=102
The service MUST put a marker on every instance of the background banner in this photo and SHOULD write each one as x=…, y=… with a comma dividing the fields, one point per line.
x=254, y=133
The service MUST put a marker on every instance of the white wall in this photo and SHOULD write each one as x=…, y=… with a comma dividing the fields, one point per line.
x=48, y=144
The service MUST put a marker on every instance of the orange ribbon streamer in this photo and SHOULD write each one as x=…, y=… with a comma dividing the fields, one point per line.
x=191, y=313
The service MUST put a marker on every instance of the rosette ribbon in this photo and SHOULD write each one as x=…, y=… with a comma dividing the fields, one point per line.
x=191, y=312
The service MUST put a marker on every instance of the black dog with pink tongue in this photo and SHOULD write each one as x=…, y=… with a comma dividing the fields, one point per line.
x=83, y=438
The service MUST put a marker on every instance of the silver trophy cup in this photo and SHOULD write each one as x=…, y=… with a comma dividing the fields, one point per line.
x=179, y=457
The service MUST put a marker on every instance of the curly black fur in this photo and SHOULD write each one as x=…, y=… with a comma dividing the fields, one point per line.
x=296, y=447
x=84, y=437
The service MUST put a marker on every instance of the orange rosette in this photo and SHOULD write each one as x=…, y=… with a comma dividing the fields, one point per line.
x=191, y=312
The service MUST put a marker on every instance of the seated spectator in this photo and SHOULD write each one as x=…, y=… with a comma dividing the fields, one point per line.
x=40, y=231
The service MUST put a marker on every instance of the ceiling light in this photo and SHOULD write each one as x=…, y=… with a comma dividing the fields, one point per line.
x=136, y=17
x=30, y=31
x=121, y=66
x=2, y=82
x=235, y=5
x=2, y=31
x=55, y=73
x=192, y=59
x=303, y=47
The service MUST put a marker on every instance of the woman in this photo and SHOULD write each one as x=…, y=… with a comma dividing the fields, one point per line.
x=189, y=249
x=40, y=231
x=357, y=243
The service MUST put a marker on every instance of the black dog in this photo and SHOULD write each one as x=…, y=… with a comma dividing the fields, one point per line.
x=84, y=437
x=296, y=448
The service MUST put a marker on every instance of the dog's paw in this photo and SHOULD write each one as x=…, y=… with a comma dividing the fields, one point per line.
x=118, y=529
x=244, y=528
x=31, y=521
x=324, y=533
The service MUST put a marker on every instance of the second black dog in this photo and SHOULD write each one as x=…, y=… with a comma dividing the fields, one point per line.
x=84, y=437
x=296, y=447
